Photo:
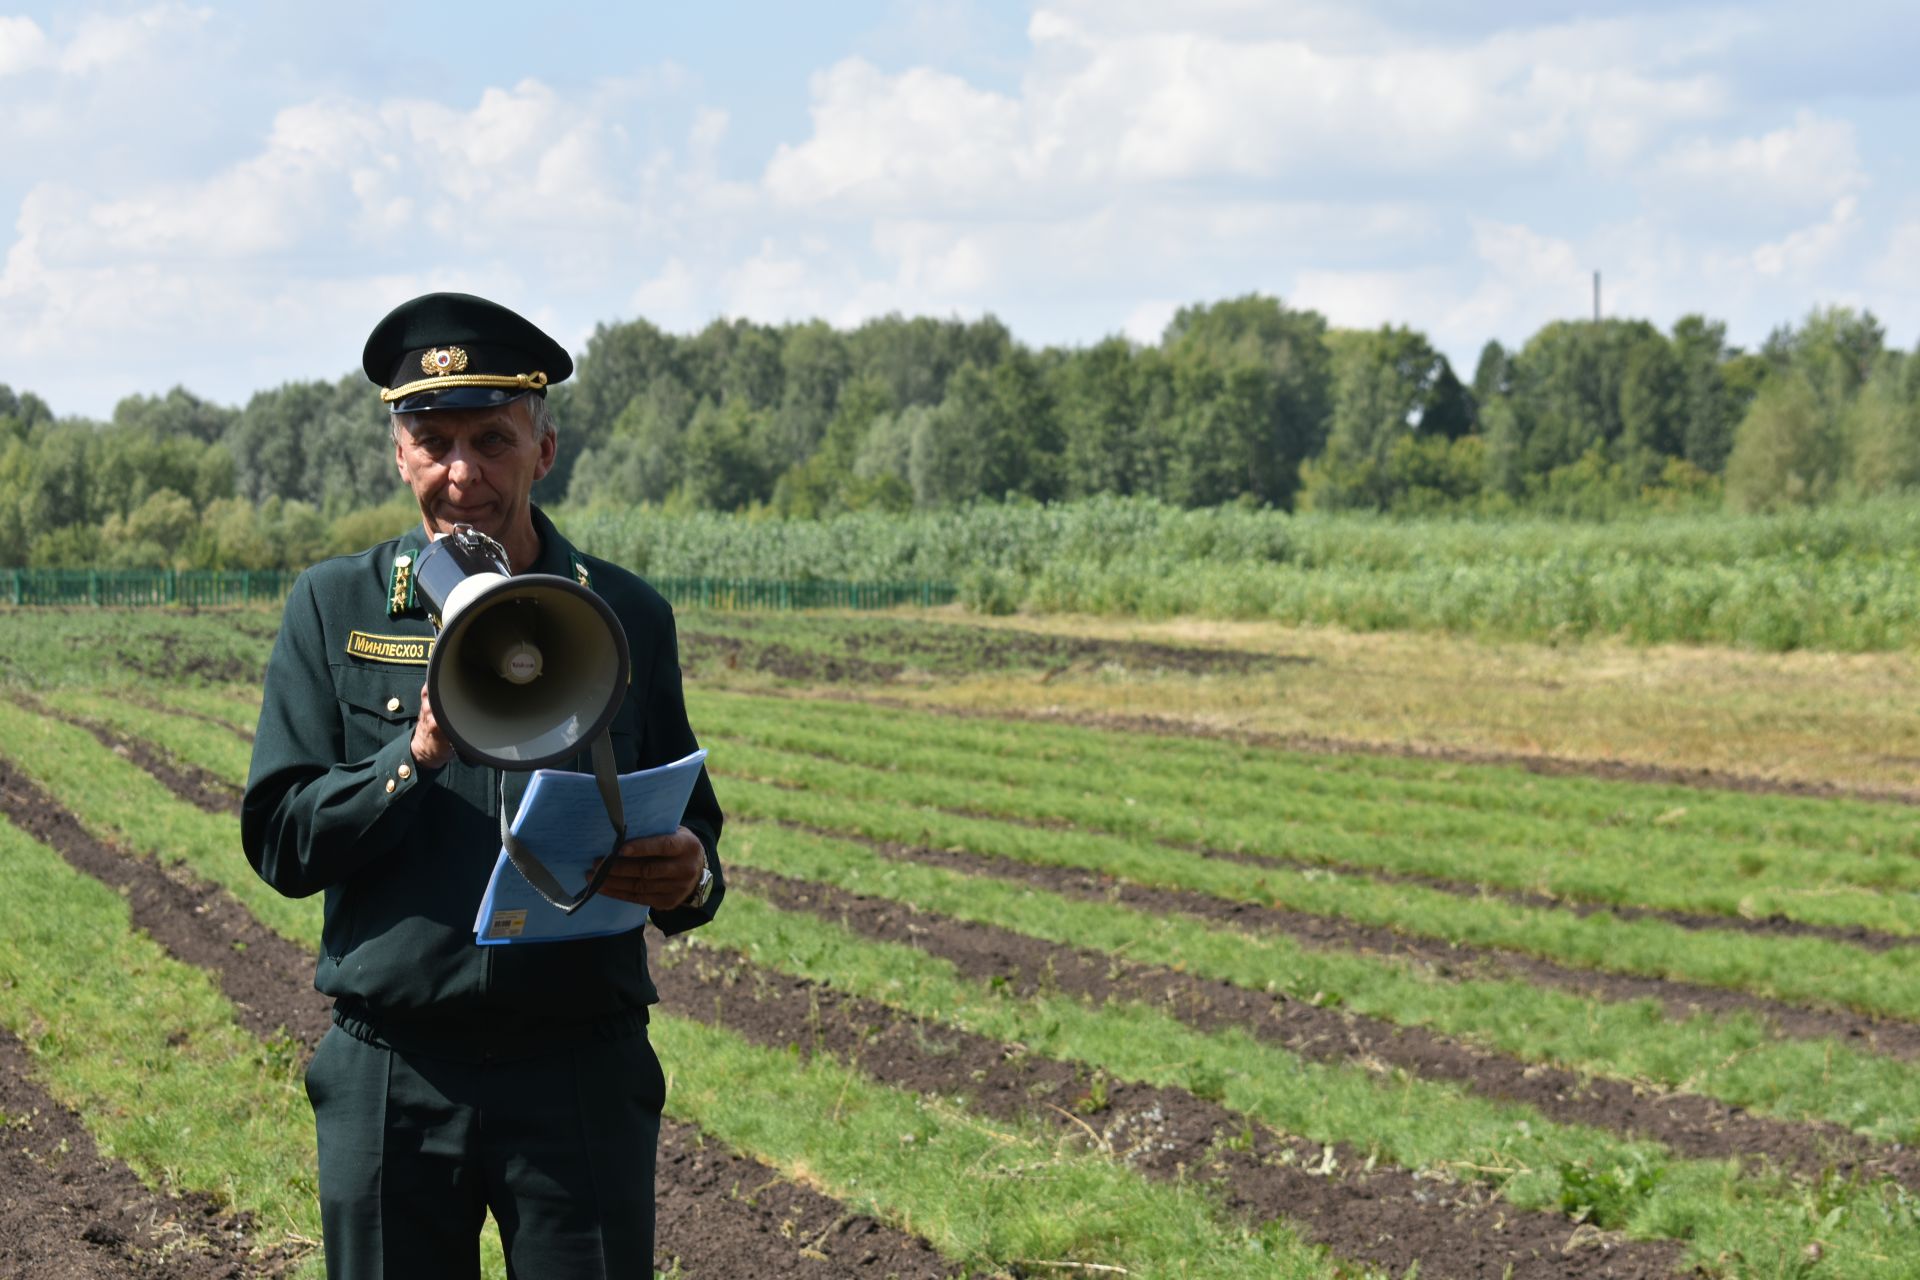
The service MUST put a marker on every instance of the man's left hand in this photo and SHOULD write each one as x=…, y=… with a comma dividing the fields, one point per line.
x=660, y=872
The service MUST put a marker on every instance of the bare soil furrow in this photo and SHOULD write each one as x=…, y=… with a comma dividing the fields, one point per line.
x=1698, y=778
x=1385, y=1216
x=201, y=788
x=268, y=979
x=1681, y=999
x=1688, y=1124
x=135, y=698
x=69, y=1213
x=707, y=1218
x=723, y=1216
x=1775, y=926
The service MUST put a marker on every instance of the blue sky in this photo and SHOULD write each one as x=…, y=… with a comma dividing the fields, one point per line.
x=227, y=196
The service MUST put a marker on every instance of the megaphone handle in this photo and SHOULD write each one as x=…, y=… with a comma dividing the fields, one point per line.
x=605, y=772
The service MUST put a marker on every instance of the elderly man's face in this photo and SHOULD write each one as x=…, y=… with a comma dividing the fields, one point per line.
x=475, y=466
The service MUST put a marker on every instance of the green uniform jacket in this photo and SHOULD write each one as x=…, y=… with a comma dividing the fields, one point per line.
x=334, y=804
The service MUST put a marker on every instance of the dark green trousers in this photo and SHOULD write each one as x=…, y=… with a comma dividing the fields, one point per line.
x=414, y=1150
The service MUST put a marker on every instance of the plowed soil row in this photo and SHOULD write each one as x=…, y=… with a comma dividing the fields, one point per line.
x=1775, y=926
x=1681, y=999
x=201, y=788
x=721, y=1214
x=134, y=698
x=1694, y=921
x=1688, y=1124
x=949, y=649
x=69, y=1213
x=1380, y=1215
x=1698, y=778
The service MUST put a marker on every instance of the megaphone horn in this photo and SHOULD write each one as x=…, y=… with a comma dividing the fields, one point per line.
x=527, y=671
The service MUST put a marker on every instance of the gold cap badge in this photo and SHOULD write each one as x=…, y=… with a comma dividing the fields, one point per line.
x=443, y=360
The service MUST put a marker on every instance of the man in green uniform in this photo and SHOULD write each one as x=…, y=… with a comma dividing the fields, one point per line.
x=459, y=1079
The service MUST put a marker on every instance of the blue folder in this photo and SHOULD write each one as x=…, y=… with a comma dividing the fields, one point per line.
x=563, y=821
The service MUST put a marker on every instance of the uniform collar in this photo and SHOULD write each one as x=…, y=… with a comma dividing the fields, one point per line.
x=557, y=555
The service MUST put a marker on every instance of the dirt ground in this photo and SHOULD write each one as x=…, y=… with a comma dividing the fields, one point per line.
x=66, y=1212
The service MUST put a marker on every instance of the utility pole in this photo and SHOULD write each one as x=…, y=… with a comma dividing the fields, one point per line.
x=1596, y=297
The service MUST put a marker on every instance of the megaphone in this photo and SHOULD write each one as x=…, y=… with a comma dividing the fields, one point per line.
x=527, y=671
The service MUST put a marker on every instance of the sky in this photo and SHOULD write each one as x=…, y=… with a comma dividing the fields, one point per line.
x=229, y=196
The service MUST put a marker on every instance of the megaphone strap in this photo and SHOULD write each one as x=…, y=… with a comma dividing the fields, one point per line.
x=606, y=774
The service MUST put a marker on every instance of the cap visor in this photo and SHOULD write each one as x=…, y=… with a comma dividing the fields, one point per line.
x=457, y=398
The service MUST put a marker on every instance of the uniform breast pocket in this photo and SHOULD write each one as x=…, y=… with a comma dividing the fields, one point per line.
x=377, y=704
x=625, y=735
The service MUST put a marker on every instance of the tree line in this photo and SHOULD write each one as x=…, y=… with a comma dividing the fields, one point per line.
x=1245, y=401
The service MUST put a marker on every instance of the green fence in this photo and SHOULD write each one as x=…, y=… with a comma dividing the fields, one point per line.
x=810, y=593
x=143, y=586
x=209, y=587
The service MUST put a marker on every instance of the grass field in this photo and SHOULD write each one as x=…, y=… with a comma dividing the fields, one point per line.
x=1078, y=948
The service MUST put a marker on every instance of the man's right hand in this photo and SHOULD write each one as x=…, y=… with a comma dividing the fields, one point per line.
x=431, y=747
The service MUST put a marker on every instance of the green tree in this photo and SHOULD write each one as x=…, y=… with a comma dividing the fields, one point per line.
x=1709, y=406
x=1786, y=451
x=1652, y=410
x=1111, y=401
x=1384, y=387
x=1566, y=389
x=1251, y=399
x=1493, y=373
x=993, y=437
x=270, y=444
x=1882, y=430
x=726, y=458
x=621, y=363
x=150, y=536
x=178, y=415
x=916, y=357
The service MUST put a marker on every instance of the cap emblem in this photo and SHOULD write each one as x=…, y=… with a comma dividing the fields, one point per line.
x=443, y=360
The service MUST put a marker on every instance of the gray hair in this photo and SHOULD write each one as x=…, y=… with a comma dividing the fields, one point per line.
x=539, y=413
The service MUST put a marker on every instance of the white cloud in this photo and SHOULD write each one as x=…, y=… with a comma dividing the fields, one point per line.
x=1135, y=102
x=1812, y=162
x=23, y=45
x=1383, y=162
x=896, y=141
x=1810, y=247
x=102, y=41
x=98, y=42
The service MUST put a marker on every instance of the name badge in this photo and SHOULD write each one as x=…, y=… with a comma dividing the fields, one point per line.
x=410, y=651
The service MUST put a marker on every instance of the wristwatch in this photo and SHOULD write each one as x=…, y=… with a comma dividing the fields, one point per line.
x=700, y=891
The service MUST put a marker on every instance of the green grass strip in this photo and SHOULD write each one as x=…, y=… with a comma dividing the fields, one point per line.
x=1638, y=853
x=237, y=704
x=1810, y=970
x=1412, y=1122
x=985, y=1194
x=193, y=741
x=146, y=1049
x=1733, y=1058
x=1730, y=1057
x=115, y=799
x=1806, y=822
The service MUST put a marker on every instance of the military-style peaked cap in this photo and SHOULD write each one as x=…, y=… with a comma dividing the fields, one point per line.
x=456, y=351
